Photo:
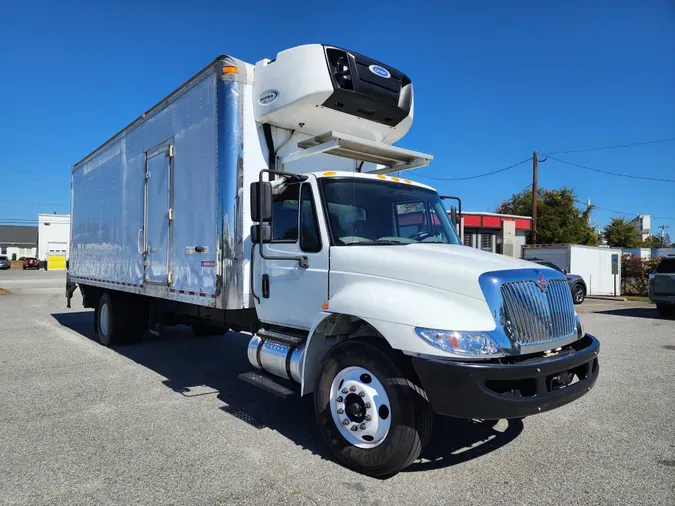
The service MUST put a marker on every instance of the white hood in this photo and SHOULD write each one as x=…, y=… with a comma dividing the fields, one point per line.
x=448, y=267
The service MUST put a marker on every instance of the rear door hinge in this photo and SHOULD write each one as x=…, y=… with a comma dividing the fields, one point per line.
x=171, y=151
x=170, y=277
x=170, y=213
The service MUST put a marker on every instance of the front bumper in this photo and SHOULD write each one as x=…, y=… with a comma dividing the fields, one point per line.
x=523, y=387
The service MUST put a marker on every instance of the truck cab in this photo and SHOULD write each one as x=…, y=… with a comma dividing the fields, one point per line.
x=360, y=279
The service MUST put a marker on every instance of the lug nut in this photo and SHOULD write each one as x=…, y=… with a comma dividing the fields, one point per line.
x=362, y=394
x=339, y=399
x=362, y=426
x=354, y=428
x=368, y=418
x=352, y=389
x=367, y=405
x=344, y=390
x=345, y=422
x=340, y=411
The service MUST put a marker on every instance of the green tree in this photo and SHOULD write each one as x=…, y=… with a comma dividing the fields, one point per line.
x=559, y=220
x=651, y=241
x=621, y=233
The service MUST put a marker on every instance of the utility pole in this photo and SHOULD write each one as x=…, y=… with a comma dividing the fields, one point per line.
x=535, y=177
x=663, y=233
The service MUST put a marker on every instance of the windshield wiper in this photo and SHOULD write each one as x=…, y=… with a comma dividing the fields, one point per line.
x=376, y=242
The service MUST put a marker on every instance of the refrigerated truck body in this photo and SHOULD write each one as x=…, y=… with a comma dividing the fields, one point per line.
x=269, y=200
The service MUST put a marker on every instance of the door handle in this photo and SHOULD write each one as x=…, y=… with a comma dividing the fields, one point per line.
x=138, y=242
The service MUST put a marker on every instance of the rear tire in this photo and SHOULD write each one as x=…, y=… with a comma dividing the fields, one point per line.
x=120, y=319
x=106, y=323
x=368, y=367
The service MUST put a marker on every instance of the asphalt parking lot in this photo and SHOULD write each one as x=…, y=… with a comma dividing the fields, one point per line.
x=167, y=421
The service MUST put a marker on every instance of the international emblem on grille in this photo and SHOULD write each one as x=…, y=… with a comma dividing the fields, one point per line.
x=541, y=283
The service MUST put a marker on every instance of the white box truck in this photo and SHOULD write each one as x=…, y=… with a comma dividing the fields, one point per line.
x=262, y=199
x=599, y=268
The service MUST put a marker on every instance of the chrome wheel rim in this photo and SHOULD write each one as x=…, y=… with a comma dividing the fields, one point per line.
x=578, y=294
x=103, y=320
x=360, y=407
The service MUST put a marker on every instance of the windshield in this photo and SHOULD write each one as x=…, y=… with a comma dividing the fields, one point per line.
x=363, y=211
x=549, y=264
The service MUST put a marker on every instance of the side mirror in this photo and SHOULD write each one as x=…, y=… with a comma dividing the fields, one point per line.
x=261, y=193
x=262, y=230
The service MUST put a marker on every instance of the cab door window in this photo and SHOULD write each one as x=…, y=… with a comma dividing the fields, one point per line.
x=310, y=238
x=285, y=215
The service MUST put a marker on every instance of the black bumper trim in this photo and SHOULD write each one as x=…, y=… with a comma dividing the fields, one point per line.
x=493, y=390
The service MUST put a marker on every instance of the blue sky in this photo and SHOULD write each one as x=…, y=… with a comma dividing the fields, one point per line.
x=494, y=81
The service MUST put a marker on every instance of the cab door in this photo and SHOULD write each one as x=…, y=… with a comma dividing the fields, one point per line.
x=289, y=294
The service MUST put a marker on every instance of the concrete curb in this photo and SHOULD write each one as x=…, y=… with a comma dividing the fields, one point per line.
x=606, y=297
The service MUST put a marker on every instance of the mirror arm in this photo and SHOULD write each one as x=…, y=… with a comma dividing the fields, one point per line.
x=302, y=260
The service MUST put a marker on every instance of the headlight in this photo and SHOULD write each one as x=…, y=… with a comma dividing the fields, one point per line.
x=580, y=328
x=464, y=344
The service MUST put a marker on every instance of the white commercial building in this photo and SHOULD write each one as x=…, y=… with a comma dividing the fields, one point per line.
x=53, y=235
x=642, y=223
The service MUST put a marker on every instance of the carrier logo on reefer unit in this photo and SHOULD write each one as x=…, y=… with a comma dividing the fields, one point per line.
x=380, y=71
x=268, y=97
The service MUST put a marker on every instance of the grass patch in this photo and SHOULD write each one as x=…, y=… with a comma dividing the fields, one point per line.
x=637, y=298
x=3, y=291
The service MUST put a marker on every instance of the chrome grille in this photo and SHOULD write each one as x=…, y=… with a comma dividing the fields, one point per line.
x=534, y=316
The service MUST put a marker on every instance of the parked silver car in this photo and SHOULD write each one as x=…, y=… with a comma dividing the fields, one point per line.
x=4, y=263
x=662, y=286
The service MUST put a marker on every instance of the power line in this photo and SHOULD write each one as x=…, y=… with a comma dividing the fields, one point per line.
x=624, y=212
x=612, y=173
x=616, y=146
x=33, y=202
x=474, y=177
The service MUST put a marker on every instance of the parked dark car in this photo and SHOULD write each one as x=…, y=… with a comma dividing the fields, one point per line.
x=576, y=282
x=5, y=263
x=31, y=263
x=662, y=286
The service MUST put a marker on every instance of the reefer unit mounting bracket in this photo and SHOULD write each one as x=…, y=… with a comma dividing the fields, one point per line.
x=388, y=158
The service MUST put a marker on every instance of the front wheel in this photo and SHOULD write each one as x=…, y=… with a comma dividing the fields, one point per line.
x=578, y=293
x=370, y=410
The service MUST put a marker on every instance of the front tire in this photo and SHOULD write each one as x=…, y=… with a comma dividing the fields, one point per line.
x=388, y=421
x=578, y=293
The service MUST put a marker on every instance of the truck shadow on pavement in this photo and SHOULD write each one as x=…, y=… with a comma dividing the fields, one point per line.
x=634, y=312
x=198, y=366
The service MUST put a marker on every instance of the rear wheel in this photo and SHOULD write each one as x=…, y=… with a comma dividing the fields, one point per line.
x=119, y=319
x=370, y=410
x=106, y=327
x=578, y=293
